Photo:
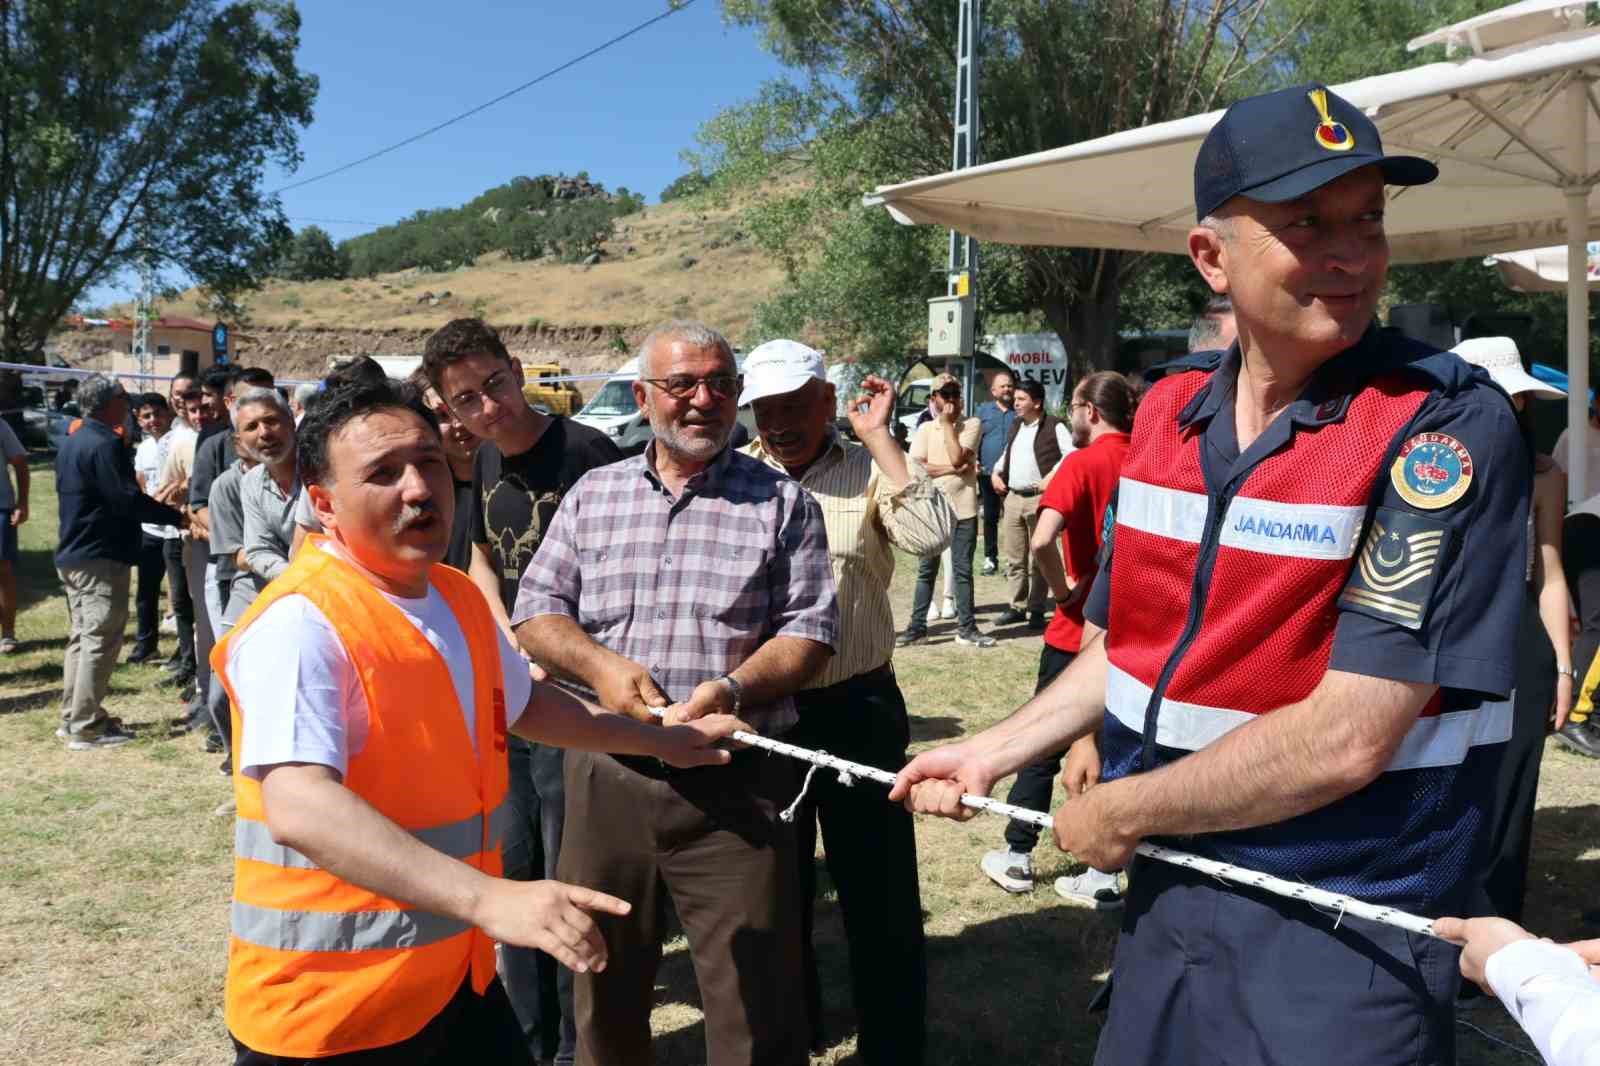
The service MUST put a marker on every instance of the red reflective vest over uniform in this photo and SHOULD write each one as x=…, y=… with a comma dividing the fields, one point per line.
x=1224, y=605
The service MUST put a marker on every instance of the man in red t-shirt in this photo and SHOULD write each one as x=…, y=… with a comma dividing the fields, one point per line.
x=1075, y=507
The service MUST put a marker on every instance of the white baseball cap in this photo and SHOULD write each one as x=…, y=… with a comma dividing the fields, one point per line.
x=777, y=367
x=1499, y=356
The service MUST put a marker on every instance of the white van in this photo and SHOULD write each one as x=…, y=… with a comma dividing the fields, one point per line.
x=613, y=411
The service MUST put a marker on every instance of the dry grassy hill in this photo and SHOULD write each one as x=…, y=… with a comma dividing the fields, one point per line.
x=675, y=260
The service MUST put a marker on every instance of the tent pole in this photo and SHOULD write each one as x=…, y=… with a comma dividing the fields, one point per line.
x=1577, y=201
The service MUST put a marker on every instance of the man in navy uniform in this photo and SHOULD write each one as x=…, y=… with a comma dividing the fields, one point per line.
x=1308, y=615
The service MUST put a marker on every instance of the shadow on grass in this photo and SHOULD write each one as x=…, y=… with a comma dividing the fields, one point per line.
x=24, y=702
x=935, y=727
x=1561, y=901
x=37, y=579
x=38, y=671
x=975, y=1012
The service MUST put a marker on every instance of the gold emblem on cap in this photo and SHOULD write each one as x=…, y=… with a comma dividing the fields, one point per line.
x=1330, y=134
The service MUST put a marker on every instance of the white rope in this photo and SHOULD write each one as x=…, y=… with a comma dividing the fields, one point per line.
x=1277, y=886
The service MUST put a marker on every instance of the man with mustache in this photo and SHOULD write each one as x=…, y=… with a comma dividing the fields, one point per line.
x=1302, y=640
x=371, y=693
x=697, y=574
x=527, y=462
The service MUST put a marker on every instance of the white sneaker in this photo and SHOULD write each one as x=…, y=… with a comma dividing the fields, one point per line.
x=989, y=567
x=1011, y=870
x=1091, y=889
x=169, y=625
x=948, y=611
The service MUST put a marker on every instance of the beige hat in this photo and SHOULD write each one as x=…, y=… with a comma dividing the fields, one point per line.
x=941, y=380
x=1499, y=356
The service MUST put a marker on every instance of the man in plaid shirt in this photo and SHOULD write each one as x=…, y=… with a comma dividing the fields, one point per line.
x=698, y=576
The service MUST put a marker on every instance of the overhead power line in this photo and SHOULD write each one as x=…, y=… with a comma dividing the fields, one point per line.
x=335, y=221
x=674, y=6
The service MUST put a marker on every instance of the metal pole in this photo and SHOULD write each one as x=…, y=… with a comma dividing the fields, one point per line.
x=963, y=257
x=1577, y=203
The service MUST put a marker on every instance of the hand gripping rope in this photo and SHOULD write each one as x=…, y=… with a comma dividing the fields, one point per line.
x=1341, y=905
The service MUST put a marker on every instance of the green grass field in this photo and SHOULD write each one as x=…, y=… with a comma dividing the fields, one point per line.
x=115, y=879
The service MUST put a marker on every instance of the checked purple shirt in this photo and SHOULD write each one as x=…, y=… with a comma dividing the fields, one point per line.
x=688, y=587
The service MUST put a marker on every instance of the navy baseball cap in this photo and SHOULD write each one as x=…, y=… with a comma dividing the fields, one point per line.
x=1279, y=146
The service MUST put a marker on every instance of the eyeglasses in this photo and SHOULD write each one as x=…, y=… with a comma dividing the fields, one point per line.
x=685, y=386
x=471, y=401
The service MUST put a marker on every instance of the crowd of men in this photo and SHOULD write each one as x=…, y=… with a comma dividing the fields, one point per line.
x=1282, y=594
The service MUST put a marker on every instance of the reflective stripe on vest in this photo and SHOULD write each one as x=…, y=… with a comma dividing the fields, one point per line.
x=1299, y=530
x=342, y=930
x=460, y=840
x=1438, y=740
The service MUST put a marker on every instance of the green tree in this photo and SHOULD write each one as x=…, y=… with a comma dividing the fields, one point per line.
x=869, y=103
x=135, y=131
x=313, y=257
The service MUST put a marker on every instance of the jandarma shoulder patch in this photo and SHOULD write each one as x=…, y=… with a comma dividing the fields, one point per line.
x=1397, y=568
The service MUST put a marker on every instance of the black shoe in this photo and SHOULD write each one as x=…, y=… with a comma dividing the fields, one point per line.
x=213, y=743
x=1010, y=617
x=142, y=653
x=194, y=717
x=1581, y=737
x=911, y=636
x=226, y=769
x=1036, y=620
x=177, y=666
x=182, y=679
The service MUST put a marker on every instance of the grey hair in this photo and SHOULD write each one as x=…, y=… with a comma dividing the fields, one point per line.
x=96, y=391
x=1222, y=227
x=695, y=334
x=260, y=395
x=303, y=393
x=1207, y=326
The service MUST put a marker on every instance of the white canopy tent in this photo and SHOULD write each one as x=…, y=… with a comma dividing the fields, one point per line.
x=1543, y=269
x=1511, y=130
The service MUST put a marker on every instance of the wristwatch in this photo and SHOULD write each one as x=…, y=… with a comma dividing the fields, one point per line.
x=737, y=690
x=1568, y=672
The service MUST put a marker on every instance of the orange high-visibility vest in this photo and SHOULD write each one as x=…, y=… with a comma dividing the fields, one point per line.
x=318, y=966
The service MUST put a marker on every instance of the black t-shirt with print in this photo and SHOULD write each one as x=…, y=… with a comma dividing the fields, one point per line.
x=514, y=497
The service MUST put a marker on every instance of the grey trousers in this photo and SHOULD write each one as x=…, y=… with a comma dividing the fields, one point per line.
x=195, y=561
x=97, y=612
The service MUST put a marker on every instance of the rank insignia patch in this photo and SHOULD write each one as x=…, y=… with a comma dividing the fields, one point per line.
x=1397, y=567
x=1433, y=470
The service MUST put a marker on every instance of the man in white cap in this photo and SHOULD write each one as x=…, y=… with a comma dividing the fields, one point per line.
x=872, y=501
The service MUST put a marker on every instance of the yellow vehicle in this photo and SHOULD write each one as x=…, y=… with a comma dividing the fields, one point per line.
x=552, y=397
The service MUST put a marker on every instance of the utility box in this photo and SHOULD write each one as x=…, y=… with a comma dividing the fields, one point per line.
x=950, y=326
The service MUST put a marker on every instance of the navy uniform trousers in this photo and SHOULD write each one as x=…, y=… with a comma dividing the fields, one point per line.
x=1212, y=974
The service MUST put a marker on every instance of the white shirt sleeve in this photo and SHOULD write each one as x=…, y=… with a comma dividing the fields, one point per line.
x=1064, y=439
x=1548, y=990
x=515, y=677
x=305, y=516
x=299, y=696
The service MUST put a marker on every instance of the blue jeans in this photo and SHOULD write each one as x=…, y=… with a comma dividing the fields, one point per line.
x=962, y=546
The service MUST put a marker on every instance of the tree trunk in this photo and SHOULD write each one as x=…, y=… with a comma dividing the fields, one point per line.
x=1088, y=327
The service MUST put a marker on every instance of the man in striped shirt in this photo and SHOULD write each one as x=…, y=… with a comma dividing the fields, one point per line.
x=689, y=573
x=873, y=501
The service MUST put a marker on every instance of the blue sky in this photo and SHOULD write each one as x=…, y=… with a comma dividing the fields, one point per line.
x=391, y=68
